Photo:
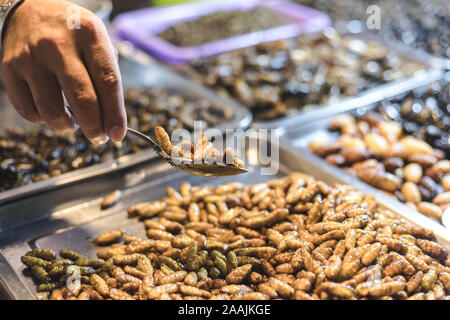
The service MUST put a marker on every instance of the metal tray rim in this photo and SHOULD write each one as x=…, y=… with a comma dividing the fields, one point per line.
x=434, y=67
x=366, y=97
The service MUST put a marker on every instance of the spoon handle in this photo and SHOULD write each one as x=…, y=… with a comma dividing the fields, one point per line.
x=146, y=138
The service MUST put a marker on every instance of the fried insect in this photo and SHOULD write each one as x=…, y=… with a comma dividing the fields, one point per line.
x=202, y=151
x=109, y=237
x=239, y=274
x=196, y=252
x=111, y=200
x=45, y=254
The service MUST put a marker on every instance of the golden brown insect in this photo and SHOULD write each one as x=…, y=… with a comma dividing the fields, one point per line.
x=338, y=290
x=283, y=289
x=111, y=200
x=433, y=249
x=301, y=295
x=173, y=277
x=117, y=294
x=387, y=288
x=182, y=241
x=159, y=234
x=193, y=291
x=99, y=284
x=56, y=295
x=259, y=252
x=351, y=264
x=202, y=246
x=239, y=274
x=429, y=279
x=444, y=277
x=126, y=259
x=333, y=267
x=414, y=282
x=109, y=237
x=164, y=140
x=252, y=296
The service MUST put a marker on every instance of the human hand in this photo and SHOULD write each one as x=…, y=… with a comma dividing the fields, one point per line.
x=42, y=56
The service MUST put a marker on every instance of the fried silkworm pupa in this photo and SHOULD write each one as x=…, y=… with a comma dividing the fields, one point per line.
x=69, y=254
x=111, y=200
x=109, y=237
x=45, y=254
x=239, y=274
x=31, y=261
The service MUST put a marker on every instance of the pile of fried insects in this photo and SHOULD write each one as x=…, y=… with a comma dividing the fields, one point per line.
x=203, y=151
x=290, y=238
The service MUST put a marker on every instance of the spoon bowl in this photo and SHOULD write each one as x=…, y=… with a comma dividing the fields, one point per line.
x=196, y=169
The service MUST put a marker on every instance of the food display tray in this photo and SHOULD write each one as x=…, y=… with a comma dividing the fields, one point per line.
x=358, y=27
x=367, y=97
x=142, y=26
x=429, y=69
x=299, y=137
x=73, y=227
x=137, y=71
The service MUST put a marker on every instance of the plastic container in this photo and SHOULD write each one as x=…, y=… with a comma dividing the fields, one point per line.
x=141, y=27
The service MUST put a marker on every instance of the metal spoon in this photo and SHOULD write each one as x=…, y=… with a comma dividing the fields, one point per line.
x=196, y=169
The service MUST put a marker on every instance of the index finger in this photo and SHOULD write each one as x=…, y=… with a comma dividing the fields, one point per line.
x=101, y=63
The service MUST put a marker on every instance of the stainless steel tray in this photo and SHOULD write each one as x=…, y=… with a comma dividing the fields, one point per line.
x=73, y=226
x=135, y=73
x=299, y=137
x=431, y=70
x=369, y=96
x=438, y=61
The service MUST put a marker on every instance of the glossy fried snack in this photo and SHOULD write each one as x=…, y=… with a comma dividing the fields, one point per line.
x=202, y=152
x=343, y=246
x=382, y=149
x=280, y=78
x=111, y=200
x=38, y=153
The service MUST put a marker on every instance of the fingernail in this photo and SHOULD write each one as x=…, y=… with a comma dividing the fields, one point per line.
x=101, y=139
x=116, y=133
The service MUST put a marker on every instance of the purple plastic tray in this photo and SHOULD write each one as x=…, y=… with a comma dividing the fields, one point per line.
x=142, y=26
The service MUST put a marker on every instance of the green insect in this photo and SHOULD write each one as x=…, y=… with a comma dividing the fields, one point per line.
x=31, y=261
x=171, y=263
x=86, y=271
x=88, y=262
x=202, y=274
x=166, y=269
x=58, y=270
x=45, y=254
x=61, y=262
x=126, y=259
x=48, y=287
x=232, y=261
x=214, y=273
x=40, y=274
x=69, y=254
x=221, y=265
x=215, y=254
